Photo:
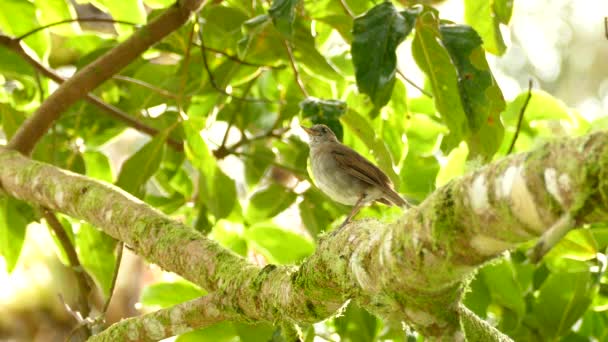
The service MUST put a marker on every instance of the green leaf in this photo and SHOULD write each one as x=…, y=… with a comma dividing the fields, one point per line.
x=418, y=175
x=306, y=53
x=269, y=202
x=325, y=112
x=230, y=235
x=562, y=300
x=279, y=245
x=454, y=167
x=504, y=289
x=283, y=15
x=256, y=166
x=356, y=324
x=221, y=332
x=503, y=10
x=18, y=17
x=136, y=170
x=255, y=332
x=96, y=253
x=376, y=35
x=217, y=190
x=67, y=228
x=363, y=129
x=167, y=294
x=159, y=3
x=480, y=96
x=98, y=166
x=11, y=119
x=477, y=298
x=13, y=221
x=127, y=10
x=483, y=16
x=434, y=60
x=315, y=216
x=52, y=11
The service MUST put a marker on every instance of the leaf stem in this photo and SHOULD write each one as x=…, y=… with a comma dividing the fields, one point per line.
x=84, y=288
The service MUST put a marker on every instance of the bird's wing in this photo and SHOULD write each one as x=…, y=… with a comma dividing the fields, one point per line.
x=357, y=166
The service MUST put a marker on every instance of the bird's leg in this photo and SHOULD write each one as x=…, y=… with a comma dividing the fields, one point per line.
x=355, y=210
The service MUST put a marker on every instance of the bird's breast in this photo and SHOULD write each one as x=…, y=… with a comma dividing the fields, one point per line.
x=333, y=180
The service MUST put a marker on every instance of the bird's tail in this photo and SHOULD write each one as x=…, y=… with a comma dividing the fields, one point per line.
x=395, y=198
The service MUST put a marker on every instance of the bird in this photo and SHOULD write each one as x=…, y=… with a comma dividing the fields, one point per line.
x=346, y=176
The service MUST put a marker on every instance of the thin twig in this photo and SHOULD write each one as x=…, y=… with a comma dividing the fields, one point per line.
x=292, y=61
x=67, y=21
x=521, y=117
x=83, y=282
x=184, y=71
x=606, y=27
x=414, y=84
x=240, y=61
x=347, y=9
x=295, y=171
x=146, y=85
x=210, y=74
x=113, y=111
x=95, y=73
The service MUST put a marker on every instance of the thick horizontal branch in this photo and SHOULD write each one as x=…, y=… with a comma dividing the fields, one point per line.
x=99, y=71
x=410, y=270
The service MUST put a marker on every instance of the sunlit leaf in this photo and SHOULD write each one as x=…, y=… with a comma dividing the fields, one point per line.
x=217, y=190
x=96, y=251
x=98, y=165
x=486, y=17
x=279, y=245
x=167, y=294
x=283, y=14
x=13, y=222
x=433, y=58
x=562, y=300
x=480, y=96
x=325, y=112
x=136, y=170
x=18, y=17
x=268, y=202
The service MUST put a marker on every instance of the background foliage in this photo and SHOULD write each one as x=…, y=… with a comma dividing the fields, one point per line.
x=235, y=82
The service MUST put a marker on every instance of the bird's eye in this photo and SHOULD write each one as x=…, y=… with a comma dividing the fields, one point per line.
x=324, y=130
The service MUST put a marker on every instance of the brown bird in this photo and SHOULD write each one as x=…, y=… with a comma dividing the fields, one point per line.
x=346, y=176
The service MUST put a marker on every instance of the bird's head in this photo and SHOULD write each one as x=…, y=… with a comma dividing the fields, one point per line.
x=320, y=134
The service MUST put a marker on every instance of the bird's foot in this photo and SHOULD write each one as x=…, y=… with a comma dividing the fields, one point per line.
x=339, y=229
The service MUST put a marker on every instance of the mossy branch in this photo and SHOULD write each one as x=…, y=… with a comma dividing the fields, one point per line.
x=410, y=270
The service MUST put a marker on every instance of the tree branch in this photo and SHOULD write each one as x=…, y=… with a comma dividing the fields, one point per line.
x=97, y=72
x=179, y=319
x=410, y=270
x=109, y=109
x=82, y=278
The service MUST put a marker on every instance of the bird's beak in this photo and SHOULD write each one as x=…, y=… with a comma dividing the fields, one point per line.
x=308, y=130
